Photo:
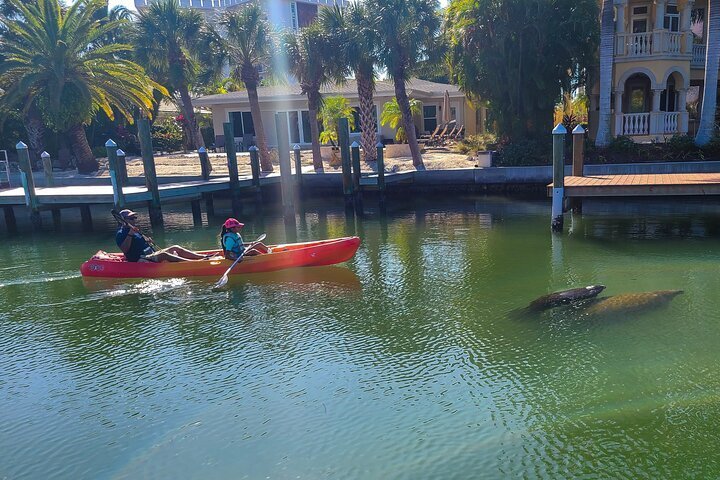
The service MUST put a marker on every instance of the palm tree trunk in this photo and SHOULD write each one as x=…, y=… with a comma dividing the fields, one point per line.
x=35, y=129
x=607, y=38
x=265, y=162
x=367, y=121
x=408, y=122
x=189, y=113
x=706, y=129
x=313, y=106
x=84, y=158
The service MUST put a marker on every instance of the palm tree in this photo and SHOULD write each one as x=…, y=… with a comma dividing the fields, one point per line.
x=408, y=29
x=249, y=46
x=168, y=41
x=310, y=53
x=355, y=33
x=56, y=62
x=393, y=117
x=333, y=109
x=607, y=39
x=706, y=129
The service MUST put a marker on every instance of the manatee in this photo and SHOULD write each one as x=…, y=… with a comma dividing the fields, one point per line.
x=631, y=302
x=565, y=297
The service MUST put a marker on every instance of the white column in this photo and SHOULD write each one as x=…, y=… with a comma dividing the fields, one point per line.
x=620, y=18
x=656, y=126
x=618, y=113
x=685, y=24
x=659, y=14
x=658, y=33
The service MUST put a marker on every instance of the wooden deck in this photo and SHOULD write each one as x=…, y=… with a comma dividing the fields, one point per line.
x=676, y=184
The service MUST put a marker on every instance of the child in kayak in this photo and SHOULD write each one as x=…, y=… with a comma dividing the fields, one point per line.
x=232, y=243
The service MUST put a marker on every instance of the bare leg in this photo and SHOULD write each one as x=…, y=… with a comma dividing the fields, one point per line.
x=184, y=253
x=164, y=256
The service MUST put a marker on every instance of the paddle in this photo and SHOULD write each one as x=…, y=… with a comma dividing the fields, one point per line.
x=120, y=219
x=224, y=279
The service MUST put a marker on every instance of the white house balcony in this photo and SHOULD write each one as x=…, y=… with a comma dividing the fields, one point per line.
x=698, y=56
x=647, y=44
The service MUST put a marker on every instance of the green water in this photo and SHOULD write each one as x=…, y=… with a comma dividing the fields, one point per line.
x=408, y=362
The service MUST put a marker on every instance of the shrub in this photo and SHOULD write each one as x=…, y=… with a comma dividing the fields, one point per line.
x=622, y=144
x=99, y=152
x=167, y=135
x=712, y=149
x=474, y=143
x=524, y=153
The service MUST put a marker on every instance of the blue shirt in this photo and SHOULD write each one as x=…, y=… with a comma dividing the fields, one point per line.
x=138, y=246
x=233, y=243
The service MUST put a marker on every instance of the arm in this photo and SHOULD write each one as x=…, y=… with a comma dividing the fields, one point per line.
x=127, y=241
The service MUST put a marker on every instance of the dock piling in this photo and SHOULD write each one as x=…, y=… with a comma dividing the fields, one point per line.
x=232, y=168
x=355, y=160
x=344, y=141
x=47, y=168
x=146, y=148
x=28, y=183
x=558, y=133
x=196, y=213
x=298, y=168
x=255, y=169
x=578, y=162
x=86, y=218
x=10, y=221
x=209, y=205
x=205, y=166
x=122, y=167
x=281, y=126
x=381, y=171
x=115, y=175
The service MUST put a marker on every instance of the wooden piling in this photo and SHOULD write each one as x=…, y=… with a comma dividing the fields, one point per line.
x=381, y=170
x=344, y=141
x=57, y=218
x=281, y=127
x=232, y=168
x=47, y=169
x=355, y=160
x=10, y=221
x=209, y=205
x=146, y=148
x=86, y=218
x=28, y=183
x=115, y=175
x=558, y=198
x=298, y=168
x=122, y=168
x=196, y=213
x=205, y=166
x=255, y=169
x=578, y=162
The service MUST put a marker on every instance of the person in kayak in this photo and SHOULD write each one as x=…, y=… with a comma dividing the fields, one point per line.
x=232, y=243
x=137, y=249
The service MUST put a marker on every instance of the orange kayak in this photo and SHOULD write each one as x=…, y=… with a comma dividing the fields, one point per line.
x=291, y=255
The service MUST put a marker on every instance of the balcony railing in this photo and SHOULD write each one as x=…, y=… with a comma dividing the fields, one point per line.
x=671, y=42
x=698, y=55
x=669, y=122
x=633, y=44
x=636, y=124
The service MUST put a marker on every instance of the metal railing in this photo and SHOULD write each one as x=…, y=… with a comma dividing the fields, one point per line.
x=636, y=124
x=698, y=55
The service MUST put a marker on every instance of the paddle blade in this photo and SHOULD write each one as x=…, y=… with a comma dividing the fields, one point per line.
x=222, y=282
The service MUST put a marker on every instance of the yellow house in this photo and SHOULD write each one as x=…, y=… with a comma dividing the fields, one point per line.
x=658, y=69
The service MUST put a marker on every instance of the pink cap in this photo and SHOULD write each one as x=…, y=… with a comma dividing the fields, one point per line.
x=232, y=223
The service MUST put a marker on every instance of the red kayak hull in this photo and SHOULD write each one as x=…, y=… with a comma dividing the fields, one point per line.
x=291, y=255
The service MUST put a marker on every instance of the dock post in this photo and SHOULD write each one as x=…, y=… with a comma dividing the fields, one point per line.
x=232, y=168
x=151, y=182
x=578, y=162
x=205, y=166
x=298, y=168
x=281, y=126
x=558, y=197
x=196, y=213
x=115, y=176
x=28, y=184
x=122, y=168
x=255, y=169
x=344, y=140
x=355, y=160
x=47, y=168
x=10, y=222
x=86, y=218
x=209, y=204
x=381, y=170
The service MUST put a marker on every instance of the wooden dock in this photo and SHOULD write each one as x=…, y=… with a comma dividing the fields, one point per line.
x=645, y=185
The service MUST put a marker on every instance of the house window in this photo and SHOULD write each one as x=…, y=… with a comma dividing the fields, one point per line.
x=453, y=113
x=429, y=118
x=305, y=117
x=637, y=100
x=242, y=124
x=294, y=128
x=639, y=19
x=672, y=18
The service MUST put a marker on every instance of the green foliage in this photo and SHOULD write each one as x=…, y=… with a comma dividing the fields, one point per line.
x=474, y=143
x=99, y=152
x=712, y=148
x=524, y=152
x=682, y=144
x=622, y=144
x=333, y=109
x=392, y=116
x=520, y=55
x=167, y=135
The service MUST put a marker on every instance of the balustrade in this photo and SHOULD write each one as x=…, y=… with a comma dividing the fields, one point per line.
x=636, y=124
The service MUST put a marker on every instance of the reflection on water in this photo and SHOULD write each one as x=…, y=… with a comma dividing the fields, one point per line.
x=402, y=363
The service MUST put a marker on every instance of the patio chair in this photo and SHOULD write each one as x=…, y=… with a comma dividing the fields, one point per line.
x=460, y=134
x=432, y=135
x=438, y=139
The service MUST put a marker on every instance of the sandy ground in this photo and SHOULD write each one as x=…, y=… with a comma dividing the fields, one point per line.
x=188, y=164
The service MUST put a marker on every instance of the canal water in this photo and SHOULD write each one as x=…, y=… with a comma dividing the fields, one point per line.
x=414, y=360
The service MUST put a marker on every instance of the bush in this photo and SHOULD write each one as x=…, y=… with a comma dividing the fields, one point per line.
x=474, y=143
x=622, y=144
x=712, y=149
x=524, y=152
x=167, y=136
x=99, y=152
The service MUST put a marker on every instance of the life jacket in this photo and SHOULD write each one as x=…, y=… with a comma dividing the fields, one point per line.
x=236, y=240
